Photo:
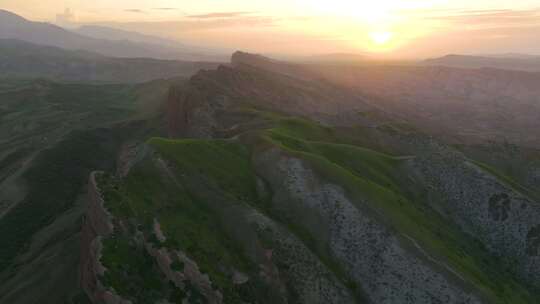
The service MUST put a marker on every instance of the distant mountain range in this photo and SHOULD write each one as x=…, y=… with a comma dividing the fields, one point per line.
x=506, y=62
x=338, y=58
x=109, y=33
x=170, y=48
x=513, y=55
x=117, y=43
x=27, y=60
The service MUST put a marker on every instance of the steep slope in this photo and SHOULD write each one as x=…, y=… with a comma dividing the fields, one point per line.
x=284, y=194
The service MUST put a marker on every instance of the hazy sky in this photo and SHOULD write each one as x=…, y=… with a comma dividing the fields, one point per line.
x=419, y=28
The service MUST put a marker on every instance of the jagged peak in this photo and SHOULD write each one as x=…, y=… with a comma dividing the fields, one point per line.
x=243, y=58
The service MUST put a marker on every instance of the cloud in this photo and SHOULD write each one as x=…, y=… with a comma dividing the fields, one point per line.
x=492, y=18
x=194, y=25
x=220, y=15
x=134, y=10
x=486, y=39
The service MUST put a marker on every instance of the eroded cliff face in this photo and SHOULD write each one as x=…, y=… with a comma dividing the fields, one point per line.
x=100, y=225
x=283, y=267
x=306, y=274
x=501, y=217
x=97, y=224
x=374, y=256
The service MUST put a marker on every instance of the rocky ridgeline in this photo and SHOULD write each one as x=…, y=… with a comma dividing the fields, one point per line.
x=192, y=111
x=195, y=110
x=272, y=247
x=190, y=273
x=97, y=225
x=504, y=220
x=100, y=224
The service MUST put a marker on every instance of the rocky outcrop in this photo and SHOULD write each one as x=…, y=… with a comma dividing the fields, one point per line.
x=97, y=224
x=203, y=107
x=191, y=111
x=253, y=61
x=176, y=112
x=189, y=274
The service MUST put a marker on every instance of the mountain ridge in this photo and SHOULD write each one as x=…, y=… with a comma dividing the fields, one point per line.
x=27, y=60
x=16, y=27
x=520, y=63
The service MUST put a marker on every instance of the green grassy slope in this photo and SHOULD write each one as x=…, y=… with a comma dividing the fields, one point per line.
x=188, y=222
x=374, y=180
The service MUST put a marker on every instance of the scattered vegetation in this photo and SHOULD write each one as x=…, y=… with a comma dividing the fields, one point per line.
x=189, y=223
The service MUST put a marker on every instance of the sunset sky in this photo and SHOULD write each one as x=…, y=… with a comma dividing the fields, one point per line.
x=405, y=29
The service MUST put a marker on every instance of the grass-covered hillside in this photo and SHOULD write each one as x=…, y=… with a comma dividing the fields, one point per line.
x=221, y=204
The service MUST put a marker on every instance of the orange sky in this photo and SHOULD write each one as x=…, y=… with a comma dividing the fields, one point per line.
x=418, y=28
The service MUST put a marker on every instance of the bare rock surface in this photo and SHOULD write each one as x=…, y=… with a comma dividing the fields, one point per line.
x=504, y=220
x=371, y=253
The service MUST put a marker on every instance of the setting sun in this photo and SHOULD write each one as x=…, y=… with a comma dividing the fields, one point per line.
x=381, y=38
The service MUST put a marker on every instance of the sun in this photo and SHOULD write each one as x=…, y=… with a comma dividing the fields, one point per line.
x=381, y=38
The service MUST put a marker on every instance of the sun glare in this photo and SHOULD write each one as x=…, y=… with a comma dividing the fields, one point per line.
x=381, y=38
